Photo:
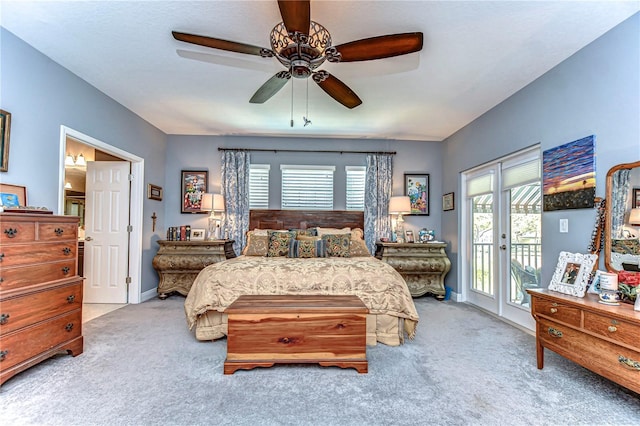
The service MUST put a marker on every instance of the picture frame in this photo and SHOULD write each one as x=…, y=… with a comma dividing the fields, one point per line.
x=572, y=273
x=635, y=201
x=448, y=202
x=408, y=237
x=416, y=187
x=198, y=234
x=193, y=186
x=5, y=132
x=6, y=190
x=154, y=192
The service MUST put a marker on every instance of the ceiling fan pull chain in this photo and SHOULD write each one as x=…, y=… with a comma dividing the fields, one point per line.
x=292, y=104
x=306, y=117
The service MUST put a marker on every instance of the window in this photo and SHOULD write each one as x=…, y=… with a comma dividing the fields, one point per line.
x=259, y=186
x=307, y=187
x=356, y=176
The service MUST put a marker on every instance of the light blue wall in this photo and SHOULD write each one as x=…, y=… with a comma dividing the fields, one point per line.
x=201, y=153
x=41, y=96
x=596, y=91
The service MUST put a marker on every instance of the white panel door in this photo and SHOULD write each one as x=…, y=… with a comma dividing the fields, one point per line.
x=106, y=244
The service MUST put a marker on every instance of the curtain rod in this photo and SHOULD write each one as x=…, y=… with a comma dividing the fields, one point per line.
x=303, y=150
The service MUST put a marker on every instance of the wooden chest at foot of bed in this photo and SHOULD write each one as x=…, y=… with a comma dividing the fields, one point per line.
x=268, y=330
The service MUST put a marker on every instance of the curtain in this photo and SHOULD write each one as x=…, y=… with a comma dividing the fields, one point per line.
x=235, y=189
x=619, y=197
x=377, y=192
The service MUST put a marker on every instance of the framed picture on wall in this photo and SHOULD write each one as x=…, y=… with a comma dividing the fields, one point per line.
x=636, y=198
x=447, y=202
x=154, y=192
x=193, y=187
x=416, y=187
x=5, y=132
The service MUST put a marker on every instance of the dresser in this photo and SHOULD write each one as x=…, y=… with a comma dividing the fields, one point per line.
x=40, y=290
x=604, y=339
x=422, y=265
x=179, y=262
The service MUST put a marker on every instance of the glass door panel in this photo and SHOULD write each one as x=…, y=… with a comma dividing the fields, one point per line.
x=482, y=268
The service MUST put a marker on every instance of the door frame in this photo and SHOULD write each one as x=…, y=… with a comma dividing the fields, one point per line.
x=136, y=201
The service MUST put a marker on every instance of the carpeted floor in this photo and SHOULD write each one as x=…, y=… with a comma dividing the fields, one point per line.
x=142, y=366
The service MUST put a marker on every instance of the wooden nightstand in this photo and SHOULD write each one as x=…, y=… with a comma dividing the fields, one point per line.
x=422, y=265
x=179, y=262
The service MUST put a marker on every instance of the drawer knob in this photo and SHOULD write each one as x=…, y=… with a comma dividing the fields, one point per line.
x=554, y=333
x=629, y=363
x=4, y=318
x=3, y=355
x=71, y=298
x=69, y=327
x=66, y=250
x=65, y=270
x=553, y=310
x=59, y=231
x=11, y=232
x=612, y=329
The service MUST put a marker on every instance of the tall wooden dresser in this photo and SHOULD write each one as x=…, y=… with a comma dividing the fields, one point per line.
x=40, y=290
x=605, y=339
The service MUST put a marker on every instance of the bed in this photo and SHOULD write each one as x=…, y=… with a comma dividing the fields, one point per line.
x=392, y=313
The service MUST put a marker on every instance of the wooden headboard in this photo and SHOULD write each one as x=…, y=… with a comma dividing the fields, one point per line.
x=303, y=219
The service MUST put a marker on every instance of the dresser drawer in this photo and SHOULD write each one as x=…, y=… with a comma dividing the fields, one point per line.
x=31, y=341
x=618, y=330
x=57, y=232
x=558, y=311
x=21, y=276
x=609, y=360
x=18, y=312
x=17, y=232
x=28, y=254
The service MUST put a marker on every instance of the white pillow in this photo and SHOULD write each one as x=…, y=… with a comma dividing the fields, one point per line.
x=332, y=231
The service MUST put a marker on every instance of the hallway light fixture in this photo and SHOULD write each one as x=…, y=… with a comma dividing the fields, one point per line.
x=79, y=161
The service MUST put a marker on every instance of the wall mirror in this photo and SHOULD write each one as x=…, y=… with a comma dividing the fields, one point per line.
x=622, y=230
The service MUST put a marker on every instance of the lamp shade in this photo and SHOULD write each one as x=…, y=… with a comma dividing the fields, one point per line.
x=207, y=202
x=400, y=205
x=218, y=203
x=634, y=216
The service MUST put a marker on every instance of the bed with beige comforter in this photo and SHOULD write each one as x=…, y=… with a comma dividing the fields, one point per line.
x=392, y=313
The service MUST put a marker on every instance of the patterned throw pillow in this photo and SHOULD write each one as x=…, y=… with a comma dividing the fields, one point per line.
x=257, y=245
x=304, y=232
x=279, y=243
x=338, y=245
x=358, y=248
x=307, y=248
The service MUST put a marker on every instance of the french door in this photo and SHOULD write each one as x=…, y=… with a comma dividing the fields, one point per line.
x=502, y=227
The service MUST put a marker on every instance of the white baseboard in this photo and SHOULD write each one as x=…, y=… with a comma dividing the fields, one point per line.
x=149, y=294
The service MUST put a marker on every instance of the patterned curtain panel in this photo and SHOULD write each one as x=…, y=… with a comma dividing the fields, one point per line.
x=235, y=189
x=619, y=198
x=377, y=192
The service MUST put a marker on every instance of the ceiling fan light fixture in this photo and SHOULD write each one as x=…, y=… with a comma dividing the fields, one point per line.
x=300, y=53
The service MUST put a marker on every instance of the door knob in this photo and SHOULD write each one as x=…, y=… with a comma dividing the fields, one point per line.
x=503, y=247
x=88, y=239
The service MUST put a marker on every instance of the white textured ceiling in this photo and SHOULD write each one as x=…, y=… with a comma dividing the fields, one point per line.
x=475, y=55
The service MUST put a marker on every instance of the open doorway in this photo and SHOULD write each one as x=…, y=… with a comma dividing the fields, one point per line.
x=72, y=203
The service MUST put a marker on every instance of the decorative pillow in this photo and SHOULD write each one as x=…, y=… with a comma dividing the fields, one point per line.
x=307, y=238
x=279, y=243
x=357, y=234
x=257, y=245
x=338, y=245
x=332, y=231
x=307, y=248
x=358, y=248
x=304, y=232
x=263, y=232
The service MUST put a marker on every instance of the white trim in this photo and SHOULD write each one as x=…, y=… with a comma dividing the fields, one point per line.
x=135, y=206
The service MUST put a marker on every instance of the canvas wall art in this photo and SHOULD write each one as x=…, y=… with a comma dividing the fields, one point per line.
x=569, y=175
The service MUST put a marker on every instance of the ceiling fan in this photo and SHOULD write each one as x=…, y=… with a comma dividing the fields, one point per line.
x=302, y=45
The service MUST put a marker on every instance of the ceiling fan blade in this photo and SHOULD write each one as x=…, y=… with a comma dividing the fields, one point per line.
x=218, y=43
x=380, y=47
x=271, y=87
x=296, y=15
x=336, y=89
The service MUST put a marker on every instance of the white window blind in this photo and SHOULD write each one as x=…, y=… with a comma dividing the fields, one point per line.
x=480, y=184
x=356, y=176
x=522, y=173
x=259, y=186
x=307, y=187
